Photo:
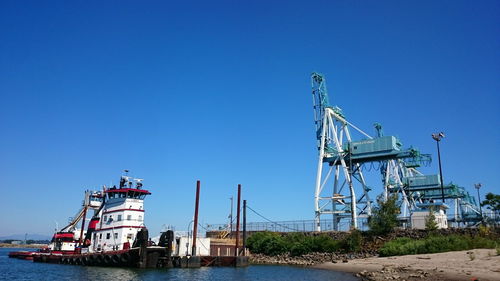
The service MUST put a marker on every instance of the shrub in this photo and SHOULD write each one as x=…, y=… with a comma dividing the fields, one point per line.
x=267, y=243
x=353, y=242
x=298, y=249
x=484, y=231
x=296, y=244
x=275, y=245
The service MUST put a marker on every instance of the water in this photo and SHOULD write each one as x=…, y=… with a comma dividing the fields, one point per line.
x=14, y=269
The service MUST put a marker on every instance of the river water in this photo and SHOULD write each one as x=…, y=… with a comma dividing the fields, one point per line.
x=14, y=269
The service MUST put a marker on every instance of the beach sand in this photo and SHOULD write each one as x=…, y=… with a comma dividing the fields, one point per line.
x=478, y=264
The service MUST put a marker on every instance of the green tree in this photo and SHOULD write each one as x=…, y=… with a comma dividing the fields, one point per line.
x=430, y=220
x=384, y=217
x=492, y=202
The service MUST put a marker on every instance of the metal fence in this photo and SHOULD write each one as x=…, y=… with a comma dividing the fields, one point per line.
x=290, y=226
x=491, y=218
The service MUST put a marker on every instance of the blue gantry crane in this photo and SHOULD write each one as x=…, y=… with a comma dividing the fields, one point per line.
x=341, y=189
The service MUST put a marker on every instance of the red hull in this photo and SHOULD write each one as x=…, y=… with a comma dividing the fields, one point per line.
x=23, y=255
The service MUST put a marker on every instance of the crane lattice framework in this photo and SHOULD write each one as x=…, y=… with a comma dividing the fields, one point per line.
x=332, y=131
x=341, y=189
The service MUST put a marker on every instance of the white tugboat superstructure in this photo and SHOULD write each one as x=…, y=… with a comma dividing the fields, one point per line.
x=121, y=217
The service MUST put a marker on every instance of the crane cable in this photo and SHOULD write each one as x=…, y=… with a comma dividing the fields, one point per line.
x=271, y=220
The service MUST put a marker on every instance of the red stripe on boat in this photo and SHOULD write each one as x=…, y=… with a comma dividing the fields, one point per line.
x=118, y=210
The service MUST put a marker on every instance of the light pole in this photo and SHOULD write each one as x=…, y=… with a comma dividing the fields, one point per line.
x=437, y=137
x=478, y=186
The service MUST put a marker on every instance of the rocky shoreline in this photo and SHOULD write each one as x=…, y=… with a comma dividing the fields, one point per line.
x=307, y=259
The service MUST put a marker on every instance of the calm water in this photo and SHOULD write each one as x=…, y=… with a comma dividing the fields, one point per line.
x=14, y=269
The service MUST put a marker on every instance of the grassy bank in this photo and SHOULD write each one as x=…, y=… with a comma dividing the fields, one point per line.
x=436, y=244
x=272, y=244
x=298, y=244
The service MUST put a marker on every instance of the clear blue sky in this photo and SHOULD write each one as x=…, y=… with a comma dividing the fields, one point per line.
x=220, y=92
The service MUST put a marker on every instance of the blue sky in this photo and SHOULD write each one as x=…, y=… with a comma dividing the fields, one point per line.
x=220, y=92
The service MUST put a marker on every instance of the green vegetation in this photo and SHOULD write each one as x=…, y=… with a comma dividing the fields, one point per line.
x=492, y=202
x=353, y=242
x=434, y=244
x=271, y=244
x=384, y=217
x=485, y=231
x=430, y=221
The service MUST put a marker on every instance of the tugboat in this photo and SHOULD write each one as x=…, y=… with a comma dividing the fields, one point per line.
x=115, y=236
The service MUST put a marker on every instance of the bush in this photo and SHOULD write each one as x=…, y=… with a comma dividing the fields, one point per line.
x=267, y=243
x=485, y=231
x=353, y=242
x=298, y=249
x=271, y=244
x=274, y=246
x=434, y=244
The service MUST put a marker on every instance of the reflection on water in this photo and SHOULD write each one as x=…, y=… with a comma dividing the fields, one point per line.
x=14, y=269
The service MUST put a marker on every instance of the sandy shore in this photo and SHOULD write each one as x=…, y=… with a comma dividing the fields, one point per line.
x=479, y=264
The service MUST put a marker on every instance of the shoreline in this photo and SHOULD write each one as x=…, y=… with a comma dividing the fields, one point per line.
x=477, y=264
x=25, y=246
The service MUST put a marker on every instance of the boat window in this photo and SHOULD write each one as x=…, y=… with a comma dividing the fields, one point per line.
x=100, y=235
x=140, y=218
x=108, y=235
x=116, y=235
x=105, y=218
x=119, y=218
x=129, y=217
